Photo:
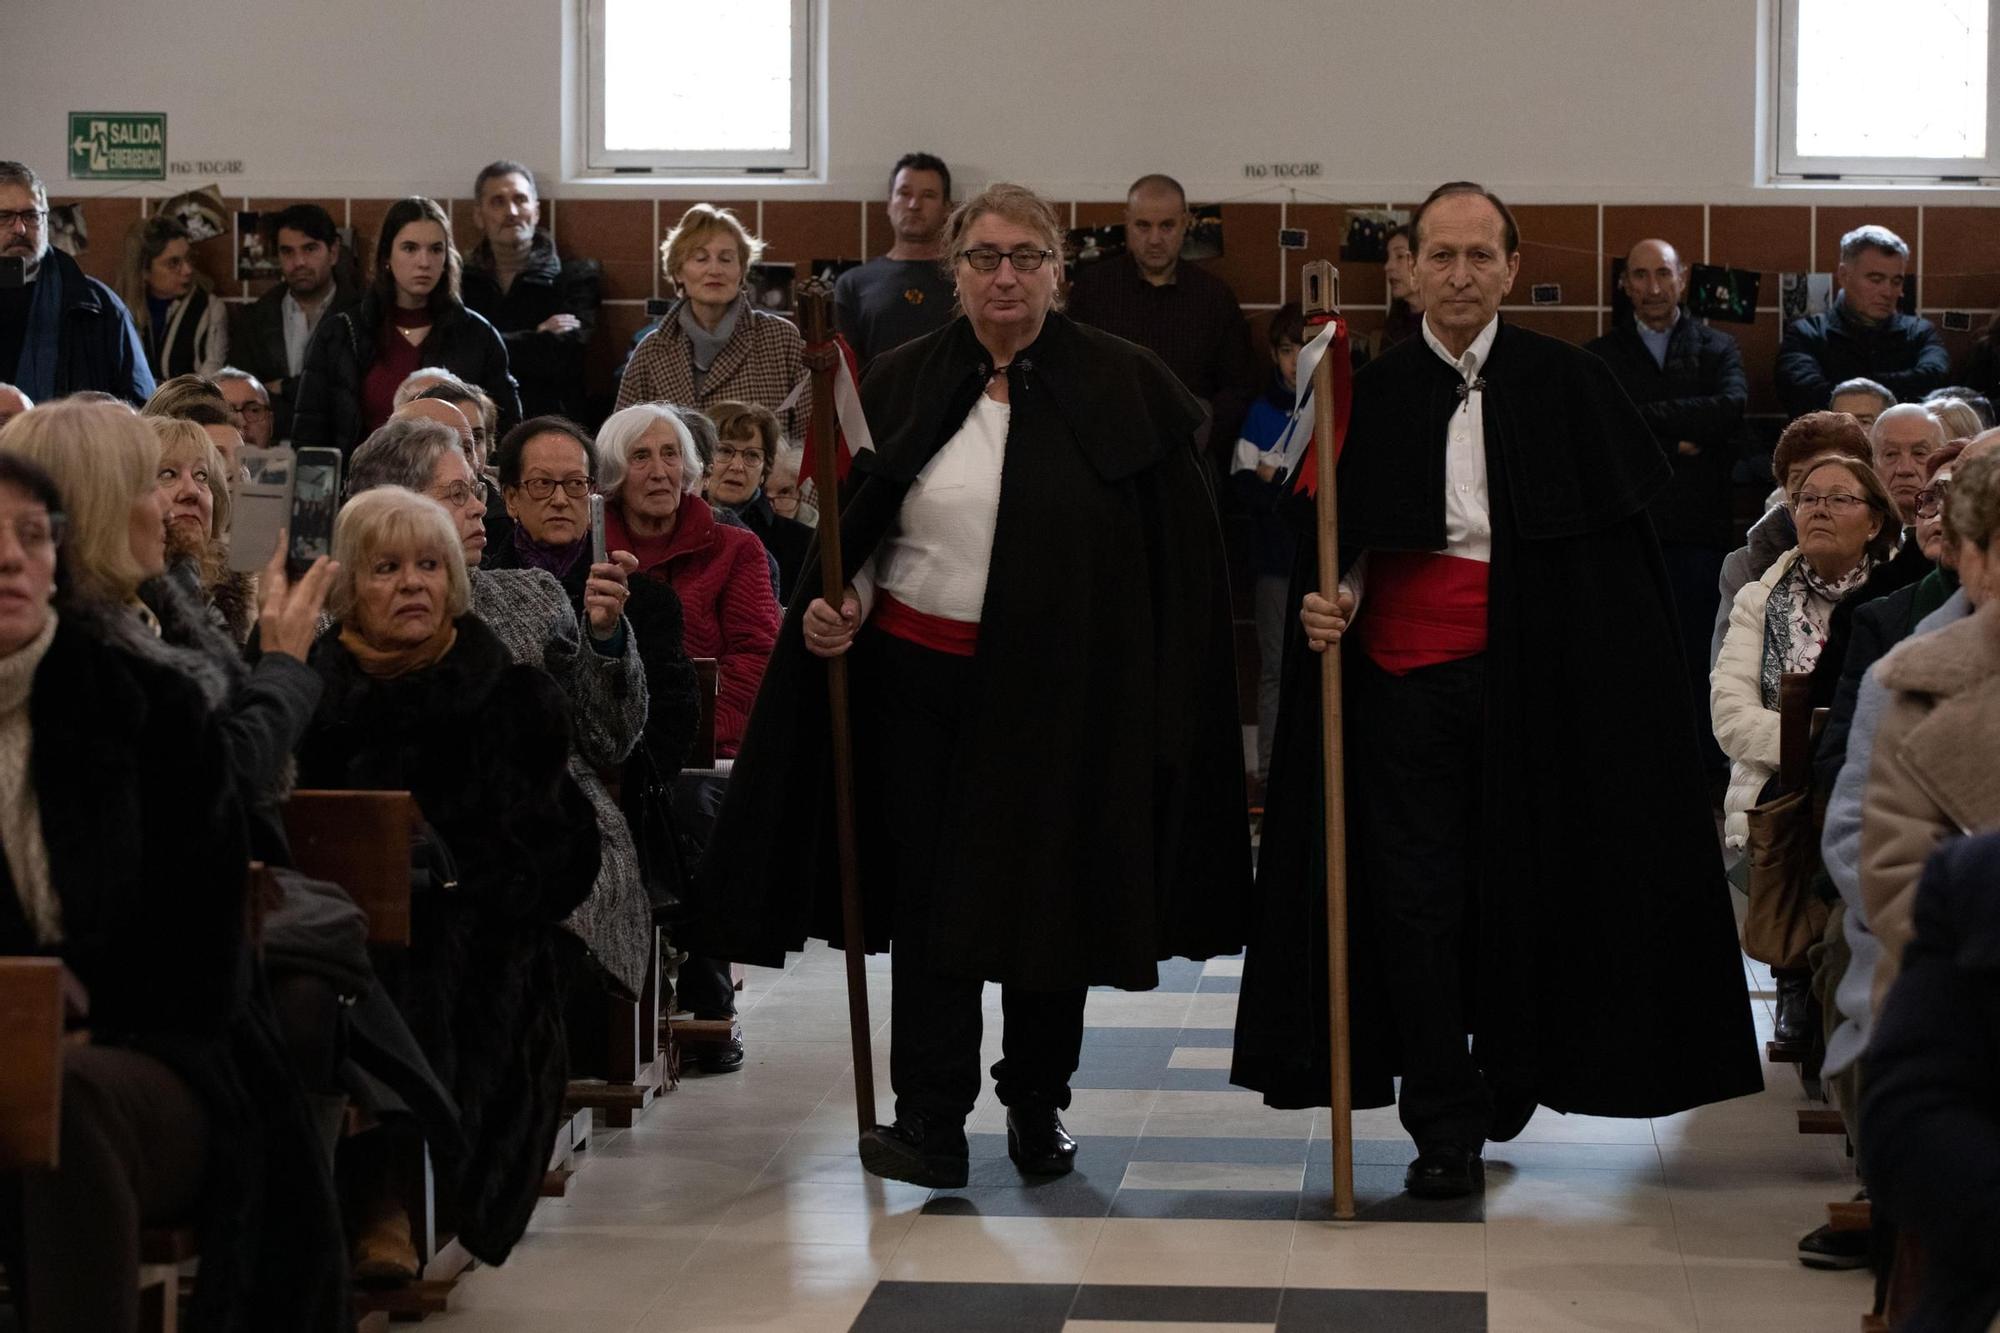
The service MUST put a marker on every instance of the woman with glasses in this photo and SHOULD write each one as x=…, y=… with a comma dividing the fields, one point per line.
x=1049, y=767
x=185, y=329
x=713, y=344
x=741, y=466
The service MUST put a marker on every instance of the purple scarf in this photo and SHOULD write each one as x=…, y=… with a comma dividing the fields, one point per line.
x=558, y=560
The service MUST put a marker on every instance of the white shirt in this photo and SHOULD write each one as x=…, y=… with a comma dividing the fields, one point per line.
x=937, y=558
x=299, y=328
x=1468, y=521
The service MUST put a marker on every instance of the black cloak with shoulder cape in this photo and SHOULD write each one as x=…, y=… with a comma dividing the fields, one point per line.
x=1603, y=972
x=1094, y=820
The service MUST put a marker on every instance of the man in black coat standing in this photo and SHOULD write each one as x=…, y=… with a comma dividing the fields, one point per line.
x=1864, y=336
x=1687, y=381
x=544, y=307
x=1526, y=799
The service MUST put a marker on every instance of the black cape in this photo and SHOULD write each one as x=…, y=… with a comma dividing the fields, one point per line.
x=1095, y=823
x=1605, y=973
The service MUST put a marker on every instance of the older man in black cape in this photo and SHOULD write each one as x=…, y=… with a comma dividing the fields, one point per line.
x=1531, y=857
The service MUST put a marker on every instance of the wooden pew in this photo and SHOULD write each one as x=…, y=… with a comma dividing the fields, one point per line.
x=686, y=1033
x=31, y=1034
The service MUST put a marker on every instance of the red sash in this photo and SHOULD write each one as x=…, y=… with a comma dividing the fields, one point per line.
x=957, y=637
x=1422, y=609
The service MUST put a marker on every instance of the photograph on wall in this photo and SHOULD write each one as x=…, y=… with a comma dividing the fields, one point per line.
x=1367, y=238
x=1088, y=245
x=1726, y=294
x=68, y=232
x=831, y=269
x=256, y=253
x=201, y=211
x=771, y=287
x=1204, y=237
x=1803, y=295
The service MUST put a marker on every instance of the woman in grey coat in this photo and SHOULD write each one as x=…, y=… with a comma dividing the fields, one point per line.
x=604, y=680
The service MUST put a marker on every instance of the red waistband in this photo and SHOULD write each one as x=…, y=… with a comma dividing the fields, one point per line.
x=1422, y=609
x=957, y=637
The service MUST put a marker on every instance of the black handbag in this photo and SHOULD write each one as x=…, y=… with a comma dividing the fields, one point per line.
x=646, y=796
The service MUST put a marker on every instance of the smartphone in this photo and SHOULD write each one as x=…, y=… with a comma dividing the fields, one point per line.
x=260, y=508
x=315, y=501
x=597, y=554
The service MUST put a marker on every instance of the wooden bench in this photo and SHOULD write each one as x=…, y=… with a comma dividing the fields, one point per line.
x=31, y=1034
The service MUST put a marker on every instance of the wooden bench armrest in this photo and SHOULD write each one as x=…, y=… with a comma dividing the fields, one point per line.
x=361, y=841
x=31, y=1037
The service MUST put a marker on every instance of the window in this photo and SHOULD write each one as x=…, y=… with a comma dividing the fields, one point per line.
x=1886, y=91
x=745, y=107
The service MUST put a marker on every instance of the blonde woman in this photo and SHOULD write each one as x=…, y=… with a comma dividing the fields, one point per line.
x=713, y=345
x=184, y=328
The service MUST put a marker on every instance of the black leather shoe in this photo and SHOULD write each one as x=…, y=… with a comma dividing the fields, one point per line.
x=1511, y=1113
x=1038, y=1143
x=917, y=1151
x=1794, y=1026
x=1445, y=1172
x=726, y=1058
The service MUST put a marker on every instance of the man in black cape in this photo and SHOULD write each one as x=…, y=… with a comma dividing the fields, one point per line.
x=1532, y=861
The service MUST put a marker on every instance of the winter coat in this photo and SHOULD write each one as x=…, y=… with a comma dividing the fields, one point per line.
x=195, y=340
x=1769, y=537
x=328, y=411
x=1932, y=774
x=1745, y=728
x=257, y=344
x=549, y=366
x=145, y=849
x=96, y=345
x=762, y=363
x=1903, y=354
x=1094, y=821
x=728, y=607
x=531, y=614
x=482, y=743
x=1930, y=1120
x=787, y=540
x=1697, y=396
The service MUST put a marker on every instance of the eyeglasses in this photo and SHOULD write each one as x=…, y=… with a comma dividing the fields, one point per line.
x=750, y=458
x=253, y=410
x=1836, y=504
x=39, y=532
x=986, y=258
x=1931, y=499
x=541, y=488
x=29, y=219
x=458, y=495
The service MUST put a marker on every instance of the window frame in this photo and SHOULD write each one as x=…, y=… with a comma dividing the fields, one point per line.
x=798, y=160
x=1790, y=166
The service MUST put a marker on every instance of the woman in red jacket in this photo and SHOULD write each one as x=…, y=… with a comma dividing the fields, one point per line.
x=649, y=471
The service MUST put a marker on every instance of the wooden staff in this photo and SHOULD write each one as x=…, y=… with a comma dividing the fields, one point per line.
x=1321, y=286
x=822, y=358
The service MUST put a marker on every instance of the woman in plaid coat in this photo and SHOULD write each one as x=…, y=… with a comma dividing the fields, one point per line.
x=713, y=345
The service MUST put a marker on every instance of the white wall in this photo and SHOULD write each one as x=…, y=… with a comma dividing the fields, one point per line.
x=1547, y=100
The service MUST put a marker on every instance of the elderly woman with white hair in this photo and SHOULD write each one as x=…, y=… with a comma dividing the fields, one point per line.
x=419, y=695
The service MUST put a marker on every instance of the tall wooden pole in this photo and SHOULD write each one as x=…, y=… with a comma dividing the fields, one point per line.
x=822, y=358
x=1321, y=285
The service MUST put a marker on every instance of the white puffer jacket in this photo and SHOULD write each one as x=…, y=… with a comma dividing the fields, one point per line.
x=1745, y=729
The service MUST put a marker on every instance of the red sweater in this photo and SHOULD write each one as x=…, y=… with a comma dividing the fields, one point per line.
x=727, y=610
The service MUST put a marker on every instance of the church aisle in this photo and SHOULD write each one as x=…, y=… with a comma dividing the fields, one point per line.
x=737, y=1203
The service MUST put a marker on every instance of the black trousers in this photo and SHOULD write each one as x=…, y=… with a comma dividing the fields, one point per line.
x=1421, y=741
x=134, y=1147
x=702, y=985
x=915, y=706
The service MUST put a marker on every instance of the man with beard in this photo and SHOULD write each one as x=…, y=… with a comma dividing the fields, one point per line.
x=61, y=332
x=904, y=294
x=1527, y=817
x=545, y=307
x=1181, y=312
x=273, y=332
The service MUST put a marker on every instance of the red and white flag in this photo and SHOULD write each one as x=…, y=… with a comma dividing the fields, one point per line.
x=1297, y=443
x=850, y=426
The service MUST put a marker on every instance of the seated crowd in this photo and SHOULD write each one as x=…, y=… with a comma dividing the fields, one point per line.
x=242, y=1063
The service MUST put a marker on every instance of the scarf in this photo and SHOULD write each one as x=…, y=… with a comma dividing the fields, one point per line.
x=40, y=344
x=1796, y=618
x=20, y=811
x=703, y=346
x=558, y=560
x=395, y=662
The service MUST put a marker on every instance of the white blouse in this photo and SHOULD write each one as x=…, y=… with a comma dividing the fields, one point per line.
x=936, y=559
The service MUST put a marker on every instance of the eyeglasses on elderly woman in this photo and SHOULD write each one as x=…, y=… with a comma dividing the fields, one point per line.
x=1837, y=503
x=1931, y=498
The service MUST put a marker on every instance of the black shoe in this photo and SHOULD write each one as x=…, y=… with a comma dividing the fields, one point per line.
x=1831, y=1250
x=1794, y=1026
x=917, y=1151
x=1038, y=1143
x=726, y=1058
x=1511, y=1113
x=1448, y=1171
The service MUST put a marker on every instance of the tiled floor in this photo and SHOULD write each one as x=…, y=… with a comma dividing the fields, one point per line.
x=737, y=1203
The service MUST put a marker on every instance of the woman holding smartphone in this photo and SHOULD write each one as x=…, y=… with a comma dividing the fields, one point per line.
x=411, y=317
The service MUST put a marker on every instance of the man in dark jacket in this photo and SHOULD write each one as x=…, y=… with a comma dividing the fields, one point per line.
x=1687, y=382
x=545, y=309
x=1864, y=335
x=270, y=335
x=60, y=330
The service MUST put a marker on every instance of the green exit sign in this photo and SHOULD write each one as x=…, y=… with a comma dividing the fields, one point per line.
x=117, y=145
